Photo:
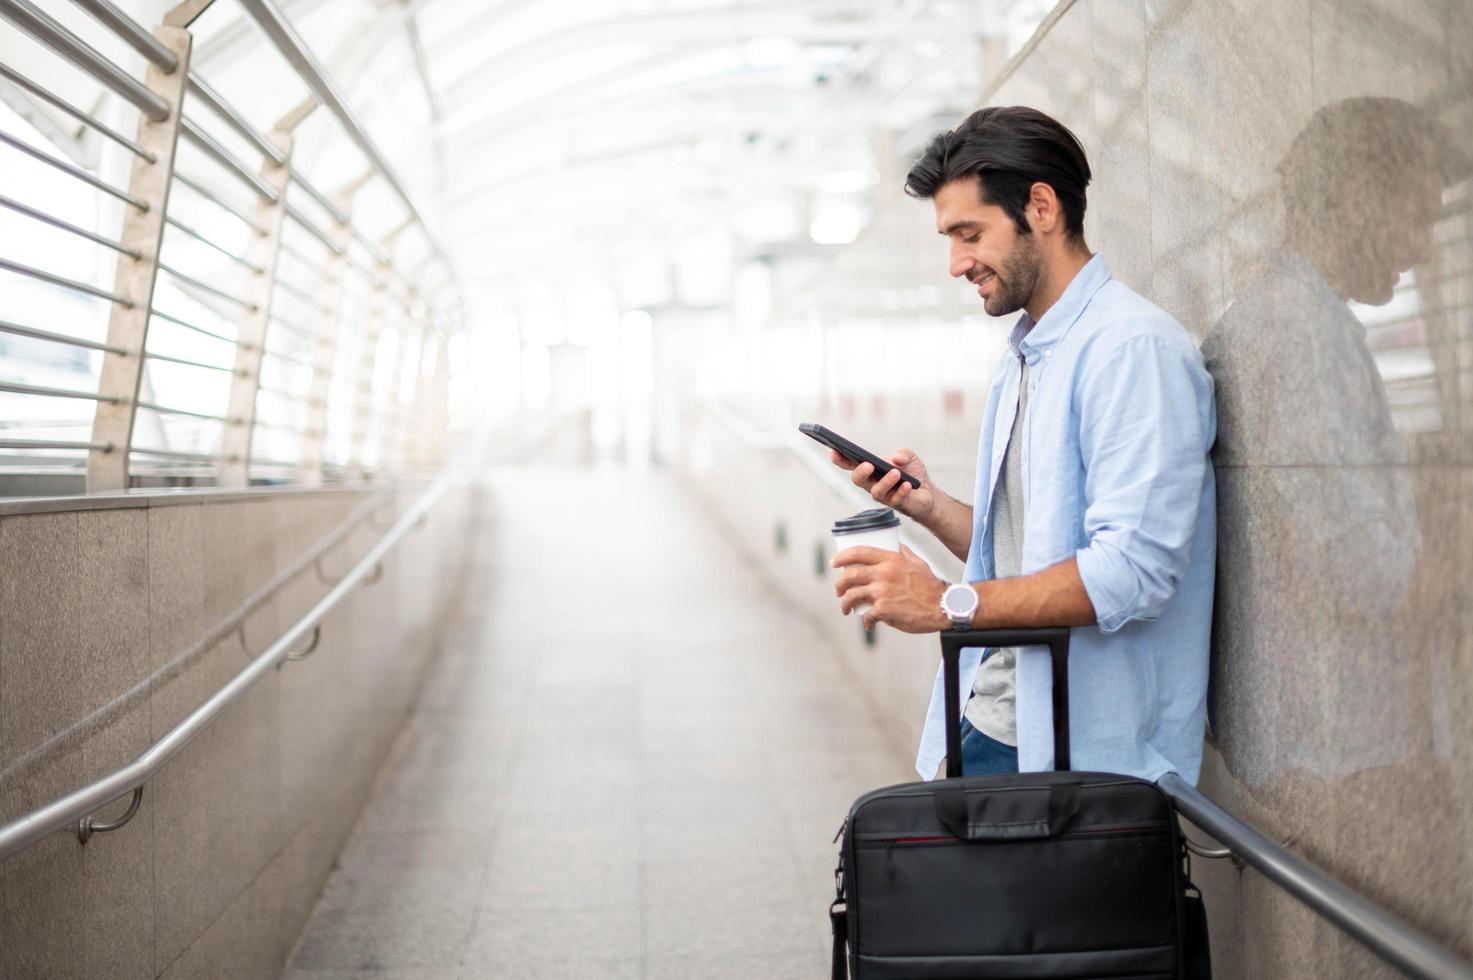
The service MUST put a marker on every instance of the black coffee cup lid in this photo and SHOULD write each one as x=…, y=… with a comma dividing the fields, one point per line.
x=867, y=520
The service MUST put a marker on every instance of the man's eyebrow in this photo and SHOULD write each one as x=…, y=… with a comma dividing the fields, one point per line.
x=957, y=226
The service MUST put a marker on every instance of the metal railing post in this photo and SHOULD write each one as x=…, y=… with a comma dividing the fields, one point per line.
x=328, y=320
x=373, y=330
x=143, y=233
x=235, y=447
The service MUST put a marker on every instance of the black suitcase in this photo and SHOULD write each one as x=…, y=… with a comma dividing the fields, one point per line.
x=1025, y=875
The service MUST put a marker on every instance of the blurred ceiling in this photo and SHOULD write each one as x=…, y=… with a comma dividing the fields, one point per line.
x=610, y=143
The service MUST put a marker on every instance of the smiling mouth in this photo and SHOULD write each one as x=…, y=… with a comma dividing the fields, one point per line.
x=980, y=283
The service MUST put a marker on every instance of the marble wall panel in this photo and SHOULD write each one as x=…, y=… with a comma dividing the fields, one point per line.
x=1120, y=152
x=1183, y=95
x=74, y=639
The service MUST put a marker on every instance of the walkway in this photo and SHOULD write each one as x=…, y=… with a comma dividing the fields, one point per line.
x=630, y=761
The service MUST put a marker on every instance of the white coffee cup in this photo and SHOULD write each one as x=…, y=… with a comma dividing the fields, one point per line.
x=876, y=528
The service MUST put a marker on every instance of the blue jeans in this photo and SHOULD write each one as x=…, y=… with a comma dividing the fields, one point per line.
x=984, y=756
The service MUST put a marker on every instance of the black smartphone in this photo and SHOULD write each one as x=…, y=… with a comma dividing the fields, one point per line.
x=852, y=452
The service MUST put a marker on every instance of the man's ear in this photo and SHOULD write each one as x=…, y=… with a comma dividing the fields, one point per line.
x=1044, y=204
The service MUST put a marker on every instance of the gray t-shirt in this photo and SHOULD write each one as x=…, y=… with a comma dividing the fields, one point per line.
x=991, y=709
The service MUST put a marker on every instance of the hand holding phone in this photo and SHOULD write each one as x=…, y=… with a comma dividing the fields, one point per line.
x=907, y=490
x=853, y=453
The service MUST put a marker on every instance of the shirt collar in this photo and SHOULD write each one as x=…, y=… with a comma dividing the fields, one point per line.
x=1029, y=339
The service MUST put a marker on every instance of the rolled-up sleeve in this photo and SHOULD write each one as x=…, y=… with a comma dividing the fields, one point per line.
x=1146, y=424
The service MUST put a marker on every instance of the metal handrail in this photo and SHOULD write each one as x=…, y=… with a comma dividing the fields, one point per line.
x=64, y=812
x=1378, y=930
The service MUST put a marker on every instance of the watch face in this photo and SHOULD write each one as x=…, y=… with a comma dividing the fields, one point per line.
x=959, y=600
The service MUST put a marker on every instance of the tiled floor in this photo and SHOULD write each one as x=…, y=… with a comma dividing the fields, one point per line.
x=629, y=762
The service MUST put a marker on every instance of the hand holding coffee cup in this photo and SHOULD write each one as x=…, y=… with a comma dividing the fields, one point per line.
x=877, y=572
x=890, y=489
x=877, y=528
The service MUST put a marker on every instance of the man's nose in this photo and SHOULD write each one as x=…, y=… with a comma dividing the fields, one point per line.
x=961, y=262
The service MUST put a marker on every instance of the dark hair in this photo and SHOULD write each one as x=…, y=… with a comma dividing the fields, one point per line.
x=1009, y=148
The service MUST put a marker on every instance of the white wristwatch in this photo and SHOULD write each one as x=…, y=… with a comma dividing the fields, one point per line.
x=959, y=602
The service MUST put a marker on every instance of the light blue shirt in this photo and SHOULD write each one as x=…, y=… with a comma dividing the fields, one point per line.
x=1116, y=474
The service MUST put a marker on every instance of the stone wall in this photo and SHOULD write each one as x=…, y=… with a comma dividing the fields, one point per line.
x=100, y=603
x=1290, y=180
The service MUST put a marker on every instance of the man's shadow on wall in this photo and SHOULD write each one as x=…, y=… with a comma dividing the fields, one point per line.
x=1314, y=666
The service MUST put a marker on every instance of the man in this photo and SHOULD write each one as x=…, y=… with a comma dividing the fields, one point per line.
x=1094, y=504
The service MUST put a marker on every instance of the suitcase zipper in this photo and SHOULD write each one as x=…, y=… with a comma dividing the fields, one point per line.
x=1130, y=830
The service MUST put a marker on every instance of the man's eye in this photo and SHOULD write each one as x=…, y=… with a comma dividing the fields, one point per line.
x=971, y=239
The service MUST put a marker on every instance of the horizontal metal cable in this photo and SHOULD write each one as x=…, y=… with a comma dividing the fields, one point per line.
x=375, y=250
x=307, y=224
x=91, y=396
x=218, y=201
x=67, y=226
x=204, y=240
x=71, y=170
x=291, y=250
x=298, y=329
x=106, y=447
x=288, y=393
x=80, y=115
x=206, y=287
x=186, y=361
x=302, y=294
x=82, y=287
x=275, y=463
x=196, y=327
x=176, y=454
x=132, y=32
x=322, y=199
x=165, y=410
x=300, y=361
x=55, y=36
x=301, y=428
x=216, y=102
x=57, y=338
x=205, y=142
x=371, y=277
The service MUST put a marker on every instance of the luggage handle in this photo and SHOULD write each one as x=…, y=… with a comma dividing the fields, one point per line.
x=1018, y=816
x=1056, y=638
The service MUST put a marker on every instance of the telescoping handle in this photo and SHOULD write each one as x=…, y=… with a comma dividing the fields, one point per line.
x=1056, y=638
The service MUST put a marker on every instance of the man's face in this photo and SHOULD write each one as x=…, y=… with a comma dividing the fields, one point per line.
x=986, y=248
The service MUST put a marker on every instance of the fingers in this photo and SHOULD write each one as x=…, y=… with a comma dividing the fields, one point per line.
x=903, y=457
x=843, y=462
x=855, y=575
x=884, y=485
x=860, y=555
x=855, y=597
x=861, y=474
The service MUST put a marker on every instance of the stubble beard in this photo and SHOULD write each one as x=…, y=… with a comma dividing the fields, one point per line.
x=1016, y=280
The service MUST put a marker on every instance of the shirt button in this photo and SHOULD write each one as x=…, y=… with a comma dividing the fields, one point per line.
x=1048, y=353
